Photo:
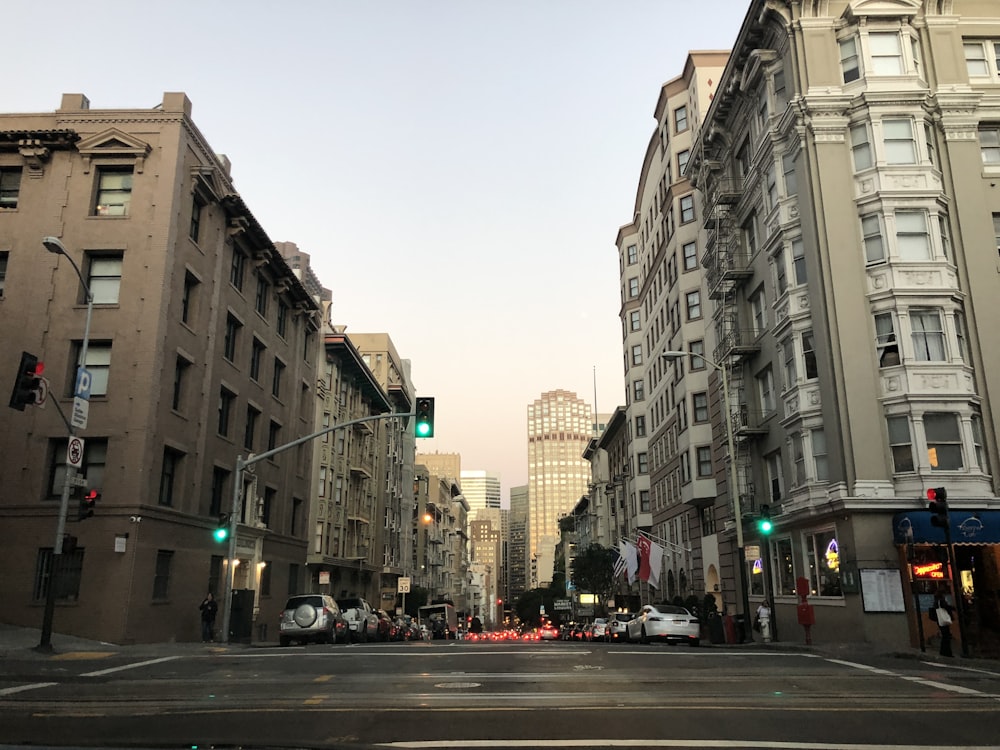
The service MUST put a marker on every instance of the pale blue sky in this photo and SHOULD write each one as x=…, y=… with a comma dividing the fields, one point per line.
x=458, y=170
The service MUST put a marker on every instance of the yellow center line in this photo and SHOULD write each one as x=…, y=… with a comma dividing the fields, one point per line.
x=314, y=700
x=323, y=678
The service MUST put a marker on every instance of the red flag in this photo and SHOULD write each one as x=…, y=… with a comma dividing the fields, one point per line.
x=645, y=546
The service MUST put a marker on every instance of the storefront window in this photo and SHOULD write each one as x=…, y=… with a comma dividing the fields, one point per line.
x=782, y=567
x=823, y=554
x=756, y=576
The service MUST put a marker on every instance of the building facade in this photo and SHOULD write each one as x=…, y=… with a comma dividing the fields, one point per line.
x=202, y=347
x=847, y=163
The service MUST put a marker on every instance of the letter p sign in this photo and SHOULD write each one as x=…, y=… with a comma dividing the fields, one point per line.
x=82, y=389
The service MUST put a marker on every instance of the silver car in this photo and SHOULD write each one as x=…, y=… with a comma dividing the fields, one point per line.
x=616, y=626
x=666, y=622
x=361, y=619
x=312, y=617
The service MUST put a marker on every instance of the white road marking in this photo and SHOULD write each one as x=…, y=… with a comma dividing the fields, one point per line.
x=136, y=665
x=22, y=688
x=919, y=680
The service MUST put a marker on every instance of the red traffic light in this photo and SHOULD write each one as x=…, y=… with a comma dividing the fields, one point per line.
x=87, y=504
x=937, y=493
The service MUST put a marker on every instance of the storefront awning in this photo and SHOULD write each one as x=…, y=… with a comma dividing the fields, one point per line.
x=967, y=527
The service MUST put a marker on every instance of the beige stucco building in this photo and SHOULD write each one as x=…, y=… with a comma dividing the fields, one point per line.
x=202, y=347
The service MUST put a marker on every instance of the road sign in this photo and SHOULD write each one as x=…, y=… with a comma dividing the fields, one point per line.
x=74, y=452
x=43, y=391
x=83, y=380
x=403, y=586
x=81, y=412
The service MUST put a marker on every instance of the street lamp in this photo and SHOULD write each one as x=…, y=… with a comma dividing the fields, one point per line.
x=734, y=493
x=53, y=245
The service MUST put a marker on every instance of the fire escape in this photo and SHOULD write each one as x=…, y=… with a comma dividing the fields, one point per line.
x=727, y=269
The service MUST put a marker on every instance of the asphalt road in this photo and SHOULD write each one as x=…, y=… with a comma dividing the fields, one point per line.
x=535, y=695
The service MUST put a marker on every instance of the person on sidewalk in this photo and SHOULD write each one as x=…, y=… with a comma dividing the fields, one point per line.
x=943, y=613
x=208, y=608
x=764, y=620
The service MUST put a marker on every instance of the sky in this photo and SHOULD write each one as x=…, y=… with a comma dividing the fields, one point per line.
x=457, y=169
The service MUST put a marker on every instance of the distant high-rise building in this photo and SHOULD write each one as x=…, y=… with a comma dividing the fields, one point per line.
x=560, y=425
x=442, y=464
x=517, y=570
x=481, y=489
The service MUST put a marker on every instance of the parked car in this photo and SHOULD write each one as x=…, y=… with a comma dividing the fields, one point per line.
x=616, y=626
x=361, y=619
x=549, y=632
x=666, y=622
x=598, y=630
x=312, y=617
x=385, y=627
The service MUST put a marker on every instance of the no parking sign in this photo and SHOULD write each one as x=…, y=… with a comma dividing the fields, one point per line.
x=74, y=452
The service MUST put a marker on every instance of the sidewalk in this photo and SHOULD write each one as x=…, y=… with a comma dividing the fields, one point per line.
x=21, y=643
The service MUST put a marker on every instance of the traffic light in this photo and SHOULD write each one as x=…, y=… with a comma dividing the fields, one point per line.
x=425, y=417
x=938, y=505
x=764, y=524
x=27, y=383
x=221, y=532
x=88, y=503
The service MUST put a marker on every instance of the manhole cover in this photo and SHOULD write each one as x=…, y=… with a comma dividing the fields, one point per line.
x=457, y=685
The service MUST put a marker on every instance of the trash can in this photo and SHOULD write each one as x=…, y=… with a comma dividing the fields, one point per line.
x=742, y=631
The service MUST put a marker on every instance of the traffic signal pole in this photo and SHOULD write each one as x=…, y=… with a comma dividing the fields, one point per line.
x=237, y=503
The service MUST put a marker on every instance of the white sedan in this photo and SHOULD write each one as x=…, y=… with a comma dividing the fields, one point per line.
x=666, y=622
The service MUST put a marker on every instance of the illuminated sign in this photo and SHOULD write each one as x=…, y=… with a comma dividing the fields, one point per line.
x=928, y=570
x=833, y=555
x=758, y=567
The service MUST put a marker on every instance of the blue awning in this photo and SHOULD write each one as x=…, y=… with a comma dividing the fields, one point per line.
x=967, y=527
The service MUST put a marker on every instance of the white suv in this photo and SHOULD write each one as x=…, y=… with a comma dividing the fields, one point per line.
x=361, y=619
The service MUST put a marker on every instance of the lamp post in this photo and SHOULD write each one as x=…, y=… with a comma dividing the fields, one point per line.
x=53, y=245
x=734, y=493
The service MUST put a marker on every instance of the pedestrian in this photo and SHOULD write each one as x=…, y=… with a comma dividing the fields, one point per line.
x=763, y=623
x=941, y=612
x=208, y=608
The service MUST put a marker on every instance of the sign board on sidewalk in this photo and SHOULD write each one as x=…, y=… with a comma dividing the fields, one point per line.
x=74, y=452
x=403, y=585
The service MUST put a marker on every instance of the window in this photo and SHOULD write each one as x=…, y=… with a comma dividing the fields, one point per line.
x=900, y=444
x=818, y=438
x=98, y=363
x=704, y=457
x=750, y=235
x=238, y=268
x=637, y=354
x=699, y=403
x=928, y=335
x=963, y=348
x=273, y=434
x=783, y=573
x=690, y=251
x=161, y=578
x=687, y=209
x=887, y=53
x=900, y=146
x=196, y=208
x=105, y=278
x=772, y=463
x=809, y=356
x=788, y=171
x=912, y=237
x=685, y=467
x=780, y=93
x=279, y=369
x=188, y=299
x=989, y=144
x=798, y=461
x=263, y=289
x=772, y=186
x=765, y=391
x=296, y=516
x=232, y=337
x=169, y=475
x=95, y=459
x=3, y=271
x=758, y=310
x=282, y=319
x=982, y=58
x=220, y=479
x=708, y=520
x=697, y=349
x=823, y=556
x=871, y=231
x=861, y=148
x=791, y=369
x=634, y=320
x=640, y=426
x=69, y=575
x=644, y=501
x=682, y=161
x=780, y=272
x=850, y=65
x=944, y=441
x=978, y=444
x=743, y=159
x=945, y=234
x=931, y=143
x=680, y=119
x=270, y=494
x=633, y=255
x=638, y=391
x=886, y=345
x=633, y=287
x=114, y=191
x=265, y=578
x=799, y=261
x=226, y=399
x=250, y=430
x=10, y=187
x=643, y=462
x=256, y=359
x=180, y=375
x=693, y=302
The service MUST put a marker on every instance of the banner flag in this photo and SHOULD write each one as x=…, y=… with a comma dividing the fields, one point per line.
x=644, y=543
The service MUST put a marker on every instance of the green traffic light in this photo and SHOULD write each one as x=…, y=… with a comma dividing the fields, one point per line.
x=221, y=534
x=423, y=429
x=765, y=527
